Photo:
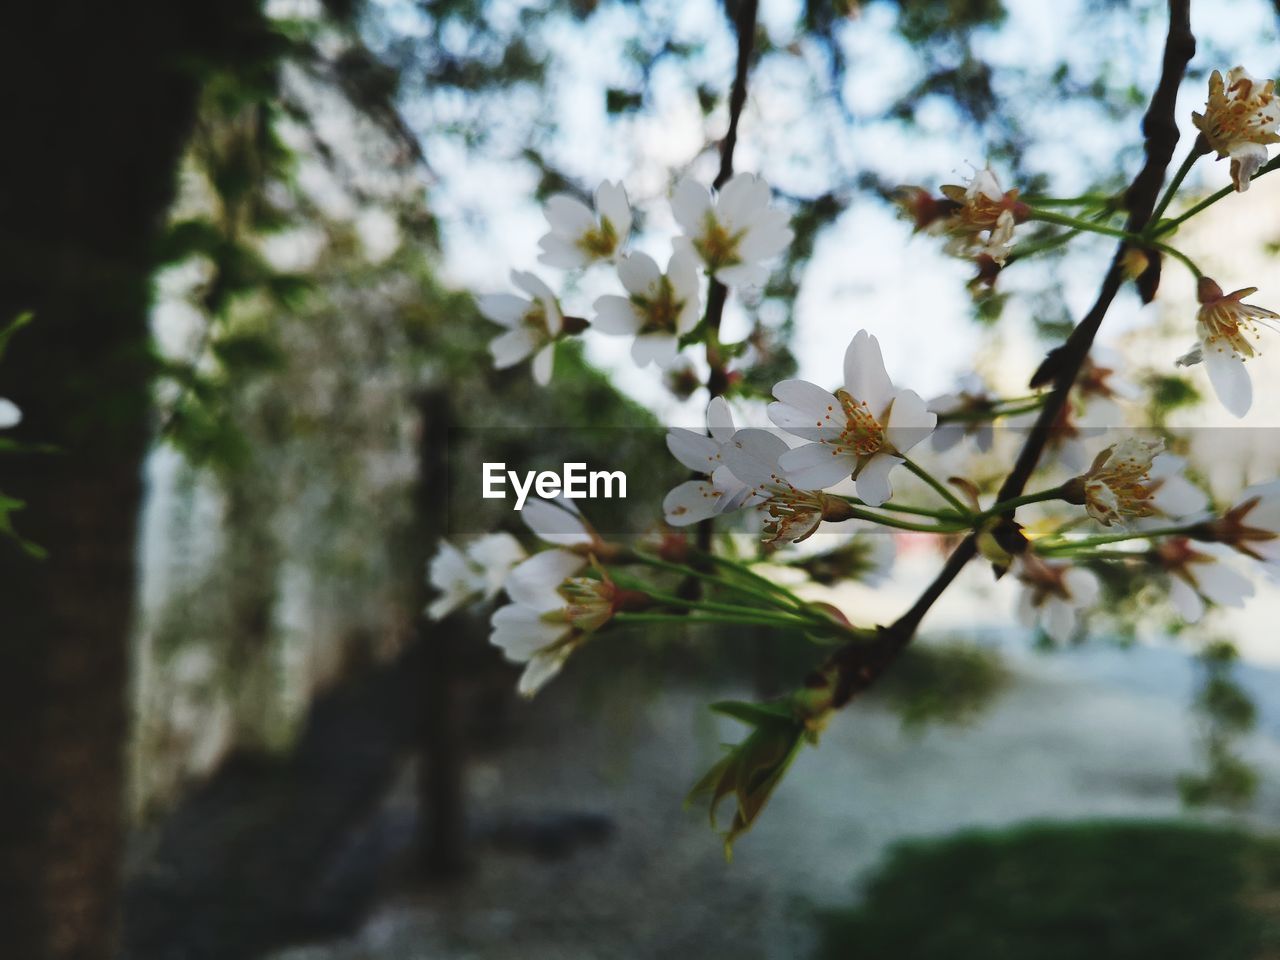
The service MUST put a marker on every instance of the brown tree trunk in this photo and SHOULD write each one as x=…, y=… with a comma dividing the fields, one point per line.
x=442, y=758
x=101, y=100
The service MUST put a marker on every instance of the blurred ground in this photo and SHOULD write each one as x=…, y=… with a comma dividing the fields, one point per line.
x=1083, y=734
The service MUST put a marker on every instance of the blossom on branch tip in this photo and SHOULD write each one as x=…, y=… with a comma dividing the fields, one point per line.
x=734, y=232
x=1116, y=488
x=1224, y=328
x=580, y=237
x=478, y=570
x=981, y=225
x=862, y=430
x=735, y=464
x=1196, y=576
x=1240, y=119
x=552, y=613
x=659, y=309
x=1053, y=594
x=533, y=325
x=10, y=415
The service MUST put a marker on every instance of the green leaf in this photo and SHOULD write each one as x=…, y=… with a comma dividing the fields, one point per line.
x=8, y=505
x=755, y=714
x=248, y=353
x=14, y=325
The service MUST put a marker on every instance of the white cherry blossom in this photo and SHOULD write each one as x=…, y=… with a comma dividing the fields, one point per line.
x=477, y=571
x=1117, y=488
x=659, y=309
x=533, y=325
x=862, y=430
x=1225, y=330
x=579, y=236
x=1053, y=594
x=1197, y=575
x=721, y=455
x=734, y=232
x=542, y=625
x=10, y=415
x=1239, y=121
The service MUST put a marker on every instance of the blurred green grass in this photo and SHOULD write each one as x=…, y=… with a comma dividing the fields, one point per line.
x=1096, y=890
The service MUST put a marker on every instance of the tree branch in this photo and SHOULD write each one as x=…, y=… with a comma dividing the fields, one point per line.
x=858, y=665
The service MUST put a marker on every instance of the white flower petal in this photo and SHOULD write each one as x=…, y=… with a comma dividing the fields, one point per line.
x=752, y=456
x=533, y=582
x=510, y=348
x=541, y=669
x=816, y=466
x=1185, y=600
x=543, y=364
x=532, y=285
x=659, y=348
x=1221, y=584
x=1230, y=381
x=910, y=420
x=569, y=216
x=556, y=521
x=611, y=203
x=690, y=502
x=864, y=374
x=873, y=480
x=495, y=554
x=720, y=420
x=615, y=315
x=808, y=398
x=10, y=415
x=504, y=308
x=560, y=253
x=694, y=450
x=743, y=276
x=690, y=202
x=1058, y=619
x=1083, y=586
x=520, y=632
x=639, y=274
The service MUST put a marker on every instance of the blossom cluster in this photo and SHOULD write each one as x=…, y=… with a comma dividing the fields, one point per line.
x=836, y=455
x=729, y=235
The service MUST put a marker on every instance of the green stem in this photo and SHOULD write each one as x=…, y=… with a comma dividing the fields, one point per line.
x=1169, y=226
x=742, y=588
x=1006, y=506
x=721, y=619
x=904, y=508
x=1086, y=542
x=887, y=521
x=1195, y=154
x=709, y=606
x=746, y=571
x=1084, y=200
x=1136, y=239
x=937, y=485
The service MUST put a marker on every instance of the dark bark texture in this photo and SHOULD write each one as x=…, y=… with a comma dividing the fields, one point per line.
x=101, y=99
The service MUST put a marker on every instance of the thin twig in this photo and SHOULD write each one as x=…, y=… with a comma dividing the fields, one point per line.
x=718, y=377
x=858, y=665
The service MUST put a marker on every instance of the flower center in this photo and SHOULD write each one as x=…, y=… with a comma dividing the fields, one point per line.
x=862, y=435
x=661, y=310
x=599, y=242
x=717, y=246
x=1227, y=327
